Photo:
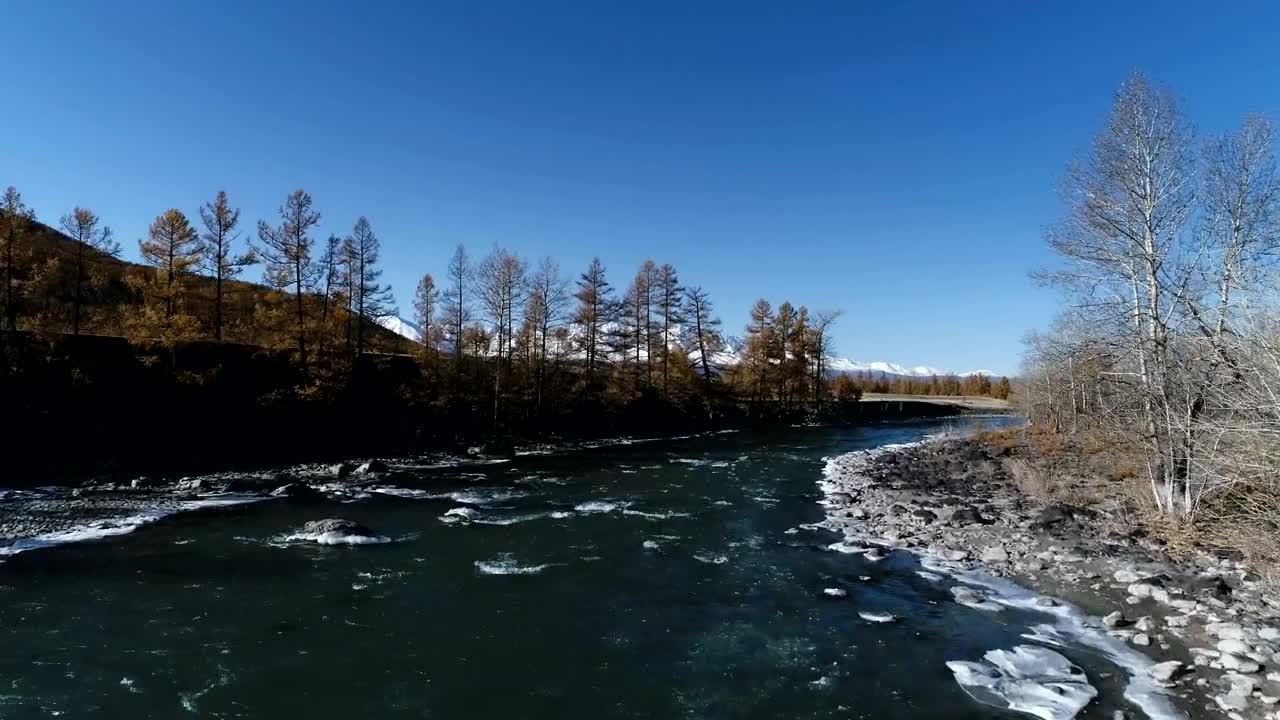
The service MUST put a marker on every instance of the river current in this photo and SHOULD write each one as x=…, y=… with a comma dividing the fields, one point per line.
x=645, y=580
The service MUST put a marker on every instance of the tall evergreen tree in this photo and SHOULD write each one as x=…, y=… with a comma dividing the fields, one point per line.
x=704, y=332
x=457, y=299
x=759, y=347
x=218, y=257
x=426, y=301
x=596, y=310
x=286, y=252
x=93, y=244
x=173, y=247
x=668, y=289
x=371, y=299
x=15, y=254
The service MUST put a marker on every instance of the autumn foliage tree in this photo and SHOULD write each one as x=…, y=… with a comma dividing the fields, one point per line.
x=83, y=264
x=286, y=252
x=218, y=255
x=173, y=249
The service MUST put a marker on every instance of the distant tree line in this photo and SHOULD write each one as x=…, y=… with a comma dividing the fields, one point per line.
x=973, y=385
x=504, y=344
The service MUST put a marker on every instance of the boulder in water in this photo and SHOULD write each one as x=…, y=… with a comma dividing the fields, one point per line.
x=338, y=531
x=342, y=469
x=460, y=514
x=1028, y=679
x=877, y=617
x=296, y=491
x=373, y=466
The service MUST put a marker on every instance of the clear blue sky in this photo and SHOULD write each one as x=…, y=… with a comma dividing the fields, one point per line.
x=897, y=160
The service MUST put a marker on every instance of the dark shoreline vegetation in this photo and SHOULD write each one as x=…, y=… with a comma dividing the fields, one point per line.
x=180, y=366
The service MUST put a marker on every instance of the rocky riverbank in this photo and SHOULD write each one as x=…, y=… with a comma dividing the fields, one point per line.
x=1209, y=627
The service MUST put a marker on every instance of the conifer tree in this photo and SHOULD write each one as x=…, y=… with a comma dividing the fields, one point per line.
x=15, y=252
x=172, y=247
x=93, y=244
x=596, y=310
x=426, y=300
x=759, y=347
x=370, y=299
x=457, y=298
x=218, y=256
x=704, y=332
x=286, y=252
x=333, y=290
x=669, y=310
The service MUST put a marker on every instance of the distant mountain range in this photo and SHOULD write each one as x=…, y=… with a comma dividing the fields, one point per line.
x=730, y=354
x=845, y=365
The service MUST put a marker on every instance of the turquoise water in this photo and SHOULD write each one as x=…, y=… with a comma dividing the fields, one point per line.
x=550, y=606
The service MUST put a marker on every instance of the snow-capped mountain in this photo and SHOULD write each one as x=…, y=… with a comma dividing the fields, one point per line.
x=400, y=326
x=730, y=354
x=845, y=365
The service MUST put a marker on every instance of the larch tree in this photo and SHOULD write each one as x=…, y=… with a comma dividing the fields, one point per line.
x=704, y=333
x=784, y=326
x=15, y=255
x=219, y=257
x=596, y=311
x=93, y=243
x=371, y=300
x=667, y=285
x=548, y=297
x=759, y=347
x=457, y=307
x=426, y=304
x=172, y=247
x=285, y=250
x=334, y=290
x=822, y=349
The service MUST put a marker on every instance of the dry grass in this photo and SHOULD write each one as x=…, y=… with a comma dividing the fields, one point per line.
x=1001, y=439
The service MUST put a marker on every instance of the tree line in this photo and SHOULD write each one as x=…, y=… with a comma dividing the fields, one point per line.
x=1167, y=340
x=502, y=339
x=973, y=385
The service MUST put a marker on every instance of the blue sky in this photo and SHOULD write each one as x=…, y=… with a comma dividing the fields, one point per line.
x=896, y=160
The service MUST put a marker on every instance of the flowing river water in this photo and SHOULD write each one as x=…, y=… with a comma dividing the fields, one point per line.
x=651, y=580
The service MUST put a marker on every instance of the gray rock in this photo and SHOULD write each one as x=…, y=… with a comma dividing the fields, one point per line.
x=373, y=466
x=1141, y=590
x=1177, y=621
x=995, y=554
x=335, y=525
x=1127, y=576
x=1165, y=671
x=1141, y=639
x=1114, y=620
x=297, y=491
x=193, y=485
x=1046, y=601
x=1269, y=634
x=1239, y=664
x=342, y=469
x=1144, y=624
x=1233, y=646
x=955, y=555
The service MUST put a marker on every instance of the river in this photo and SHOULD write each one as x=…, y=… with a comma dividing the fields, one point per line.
x=650, y=580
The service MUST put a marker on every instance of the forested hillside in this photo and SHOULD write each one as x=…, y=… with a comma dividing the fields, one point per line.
x=185, y=346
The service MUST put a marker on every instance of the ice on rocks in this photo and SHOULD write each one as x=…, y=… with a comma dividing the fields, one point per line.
x=1027, y=679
